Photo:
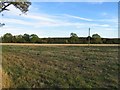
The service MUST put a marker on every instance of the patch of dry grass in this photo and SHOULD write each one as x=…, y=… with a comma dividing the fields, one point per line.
x=28, y=44
x=65, y=66
x=6, y=80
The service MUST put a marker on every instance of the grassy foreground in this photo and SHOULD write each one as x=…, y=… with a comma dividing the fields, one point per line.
x=60, y=67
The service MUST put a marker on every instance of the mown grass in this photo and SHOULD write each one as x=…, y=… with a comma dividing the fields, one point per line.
x=61, y=67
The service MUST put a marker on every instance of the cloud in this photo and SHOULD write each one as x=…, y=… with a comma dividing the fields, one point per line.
x=16, y=21
x=111, y=20
x=104, y=14
x=100, y=25
x=7, y=28
x=77, y=17
x=46, y=22
x=74, y=0
x=38, y=17
x=20, y=30
x=95, y=2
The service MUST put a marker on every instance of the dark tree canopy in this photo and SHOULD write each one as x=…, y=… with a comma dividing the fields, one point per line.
x=7, y=37
x=22, y=5
x=74, y=38
x=73, y=35
x=33, y=38
x=96, y=36
x=96, y=39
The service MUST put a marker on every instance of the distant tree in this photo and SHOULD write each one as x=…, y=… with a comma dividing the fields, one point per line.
x=34, y=38
x=74, y=38
x=14, y=40
x=22, y=5
x=116, y=41
x=104, y=41
x=88, y=39
x=96, y=36
x=66, y=41
x=96, y=39
x=73, y=35
x=19, y=39
x=44, y=40
x=26, y=37
x=1, y=39
x=7, y=38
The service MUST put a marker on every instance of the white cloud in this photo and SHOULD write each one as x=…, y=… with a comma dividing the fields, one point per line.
x=19, y=30
x=95, y=2
x=37, y=17
x=100, y=25
x=104, y=14
x=74, y=0
x=16, y=21
x=53, y=23
x=77, y=17
x=111, y=20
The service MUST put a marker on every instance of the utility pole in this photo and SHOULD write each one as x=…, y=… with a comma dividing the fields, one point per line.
x=89, y=37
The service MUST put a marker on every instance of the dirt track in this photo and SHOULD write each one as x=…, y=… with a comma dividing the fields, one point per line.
x=28, y=44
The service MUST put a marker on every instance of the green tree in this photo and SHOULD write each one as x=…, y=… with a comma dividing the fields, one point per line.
x=88, y=39
x=19, y=39
x=1, y=39
x=104, y=40
x=34, y=38
x=14, y=40
x=73, y=35
x=22, y=5
x=74, y=38
x=26, y=37
x=96, y=39
x=7, y=38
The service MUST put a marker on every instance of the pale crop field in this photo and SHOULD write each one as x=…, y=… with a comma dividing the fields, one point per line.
x=29, y=44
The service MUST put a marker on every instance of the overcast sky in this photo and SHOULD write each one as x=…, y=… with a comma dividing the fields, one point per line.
x=59, y=19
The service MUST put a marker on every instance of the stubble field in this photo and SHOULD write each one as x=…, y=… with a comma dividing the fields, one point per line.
x=59, y=66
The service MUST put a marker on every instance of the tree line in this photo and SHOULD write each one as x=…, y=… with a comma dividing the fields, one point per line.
x=73, y=39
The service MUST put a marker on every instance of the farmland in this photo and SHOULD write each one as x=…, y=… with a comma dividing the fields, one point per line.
x=27, y=66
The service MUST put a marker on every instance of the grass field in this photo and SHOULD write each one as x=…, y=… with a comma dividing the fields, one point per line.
x=60, y=67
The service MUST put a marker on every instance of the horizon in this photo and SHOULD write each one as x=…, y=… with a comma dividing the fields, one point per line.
x=61, y=37
x=59, y=19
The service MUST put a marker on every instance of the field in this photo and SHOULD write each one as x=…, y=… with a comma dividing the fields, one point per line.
x=32, y=66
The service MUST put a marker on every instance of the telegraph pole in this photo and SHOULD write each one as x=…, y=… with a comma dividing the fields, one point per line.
x=89, y=37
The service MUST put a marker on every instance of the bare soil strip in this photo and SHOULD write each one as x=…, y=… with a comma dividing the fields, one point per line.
x=28, y=44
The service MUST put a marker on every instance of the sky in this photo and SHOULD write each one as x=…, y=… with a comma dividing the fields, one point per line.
x=59, y=19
